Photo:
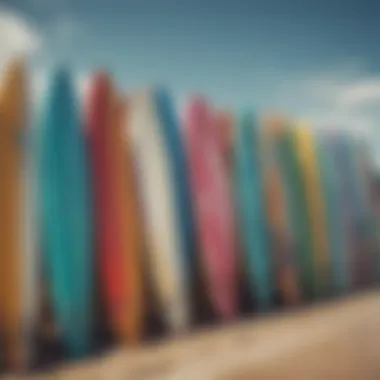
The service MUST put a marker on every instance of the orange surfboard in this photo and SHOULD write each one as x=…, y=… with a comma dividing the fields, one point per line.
x=129, y=324
x=12, y=124
x=116, y=210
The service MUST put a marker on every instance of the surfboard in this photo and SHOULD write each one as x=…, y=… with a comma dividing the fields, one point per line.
x=341, y=165
x=132, y=326
x=213, y=203
x=161, y=231
x=65, y=207
x=282, y=241
x=252, y=219
x=31, y=255
x=224, y=124
x=18, y=260
x=365, y=165
x=297, y=218
x=172, y=136
x=362, y=217
x=304, y=142
x=116, y=220
x=354, y=216
x=375, y=207
x=334, y=216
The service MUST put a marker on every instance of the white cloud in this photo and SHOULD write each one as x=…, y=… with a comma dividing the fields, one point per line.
x=349, y=94
x=18, y=36
x=354, y=122
x=360, y=94
x=344, y=100
x=336, y=100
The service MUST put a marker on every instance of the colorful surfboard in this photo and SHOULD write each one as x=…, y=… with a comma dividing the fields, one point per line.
x=366, y=170
x=363, y=266
x=18, y=260
x=214, y=212
x=170, y=130
x=296, y=210
x=282, y=242
x=355, y=225
x=224, y=123
x=115, y=210
x=253, y=223
x=132, y=327
x=341, y=164
x=334, y=217
x=304, y=142
x=375, y=206
x=162, y=232
x=65, y=207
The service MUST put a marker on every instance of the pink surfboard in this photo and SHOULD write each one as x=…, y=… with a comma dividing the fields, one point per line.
x=213, y=208
x=224, y=124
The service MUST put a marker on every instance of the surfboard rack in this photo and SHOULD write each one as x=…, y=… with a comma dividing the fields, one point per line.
x=339, y=339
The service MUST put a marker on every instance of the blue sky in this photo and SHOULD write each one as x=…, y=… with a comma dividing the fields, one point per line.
x=318, y=59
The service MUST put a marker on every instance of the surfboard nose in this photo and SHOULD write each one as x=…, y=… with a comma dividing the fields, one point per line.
x=198, y=113
x=60, y=92
x=13, y=95
x=101, y=82
x=13, y=72
x=61, y=77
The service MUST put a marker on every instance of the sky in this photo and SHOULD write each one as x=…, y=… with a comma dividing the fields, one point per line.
x=316, y=59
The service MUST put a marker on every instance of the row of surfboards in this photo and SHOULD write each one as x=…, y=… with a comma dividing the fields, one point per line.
x=118, y=201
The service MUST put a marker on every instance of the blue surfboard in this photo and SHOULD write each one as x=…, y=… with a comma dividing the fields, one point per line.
x=65, y=215
x=363, y=227
x=346, y=187
x=170, y=130
x=366, y=169
x=250, y=211
x=334, y=218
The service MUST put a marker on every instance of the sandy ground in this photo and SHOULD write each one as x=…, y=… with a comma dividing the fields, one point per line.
x=338, y=340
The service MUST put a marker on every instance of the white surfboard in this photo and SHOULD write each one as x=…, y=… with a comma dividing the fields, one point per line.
x=162, y=235
x=31, y=282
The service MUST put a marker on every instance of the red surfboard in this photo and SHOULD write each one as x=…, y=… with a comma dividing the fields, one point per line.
x=214, y=214
x=115, y=210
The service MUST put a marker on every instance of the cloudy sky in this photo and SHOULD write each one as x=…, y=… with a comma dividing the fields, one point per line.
x=317, y=59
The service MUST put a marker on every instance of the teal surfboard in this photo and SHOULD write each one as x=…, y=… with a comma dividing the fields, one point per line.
x=65, y=215
x=251, y=211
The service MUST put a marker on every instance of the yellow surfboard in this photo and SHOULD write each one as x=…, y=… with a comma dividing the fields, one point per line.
x=12, y=265
x=305, y=147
